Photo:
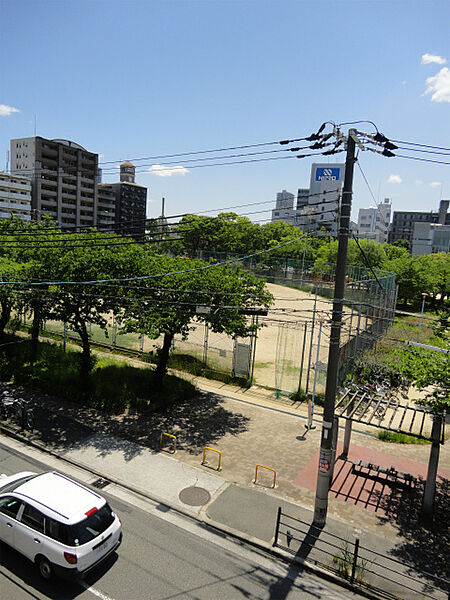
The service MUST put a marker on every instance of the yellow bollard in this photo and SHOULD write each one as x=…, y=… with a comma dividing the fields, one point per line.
x=171, y=436
x=212, y=450
x=269, y=469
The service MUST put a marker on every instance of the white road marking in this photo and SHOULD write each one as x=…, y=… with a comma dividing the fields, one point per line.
x=95, y=592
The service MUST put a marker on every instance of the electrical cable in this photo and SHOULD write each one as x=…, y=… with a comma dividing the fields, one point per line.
x=196, y=160
x=421, y=145
x=179, y=154
x=439, y=162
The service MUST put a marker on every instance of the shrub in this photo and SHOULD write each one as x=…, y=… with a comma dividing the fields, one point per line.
x=114, y=385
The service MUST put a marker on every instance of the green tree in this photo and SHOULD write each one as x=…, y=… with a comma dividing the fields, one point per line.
x=34, y=249
x=428, y=368
x=81, y=304
x=167, y=303
x=411, y=280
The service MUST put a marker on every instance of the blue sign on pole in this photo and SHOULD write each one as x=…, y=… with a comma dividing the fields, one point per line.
x=327, y=174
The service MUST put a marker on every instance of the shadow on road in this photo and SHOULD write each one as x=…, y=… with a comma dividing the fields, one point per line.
x=24, y=576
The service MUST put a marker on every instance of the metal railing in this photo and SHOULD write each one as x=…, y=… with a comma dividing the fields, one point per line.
x=362, y=567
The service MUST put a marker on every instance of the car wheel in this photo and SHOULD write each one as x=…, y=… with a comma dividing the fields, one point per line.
x=45, y=568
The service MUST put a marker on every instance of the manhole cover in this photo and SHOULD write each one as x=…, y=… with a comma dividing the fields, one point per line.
x=194, y=496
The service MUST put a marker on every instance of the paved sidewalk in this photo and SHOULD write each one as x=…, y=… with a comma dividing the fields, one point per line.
x=230, y=500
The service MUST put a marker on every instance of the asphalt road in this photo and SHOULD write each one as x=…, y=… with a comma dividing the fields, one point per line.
x=164, y=556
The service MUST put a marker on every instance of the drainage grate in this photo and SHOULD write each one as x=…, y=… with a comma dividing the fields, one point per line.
x=100, y=483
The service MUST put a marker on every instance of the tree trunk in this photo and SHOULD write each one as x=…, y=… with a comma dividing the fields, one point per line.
x=163, y=357
x=5, y=316
x=86, y=363
x=35, y=333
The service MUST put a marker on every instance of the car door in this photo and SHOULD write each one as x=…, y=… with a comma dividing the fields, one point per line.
x=29, y=532
x=9, y=510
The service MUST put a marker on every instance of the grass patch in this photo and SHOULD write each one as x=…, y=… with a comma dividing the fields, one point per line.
x=114, y=385
x=399, y=438
x=193, y=365
x=301, y=396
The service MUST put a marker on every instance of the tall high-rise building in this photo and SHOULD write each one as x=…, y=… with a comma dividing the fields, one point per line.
x=63, y=179
x=283, y=210
x=130, y=202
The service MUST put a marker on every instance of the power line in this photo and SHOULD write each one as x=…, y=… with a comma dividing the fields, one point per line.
x=439, y=162
x=421, y=145
x=191, y=153
x=424, y=151
x=196, y=160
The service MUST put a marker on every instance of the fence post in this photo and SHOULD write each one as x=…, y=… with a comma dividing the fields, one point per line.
x=311, y=341
x=277, y=527
x=114, y=332
x=303, y=356
x=205, y=345
x=355, y=559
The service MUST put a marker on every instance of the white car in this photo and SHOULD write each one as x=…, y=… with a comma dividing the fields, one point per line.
x=65, y=528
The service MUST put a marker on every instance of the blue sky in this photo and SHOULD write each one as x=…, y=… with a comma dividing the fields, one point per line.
x=129, y=79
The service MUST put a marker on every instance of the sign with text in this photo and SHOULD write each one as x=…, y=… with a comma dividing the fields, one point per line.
x=328, y=173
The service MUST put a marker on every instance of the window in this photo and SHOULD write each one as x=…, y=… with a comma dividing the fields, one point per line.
x=55, y=530
x=33, y=518
x=90, y=528
x=10, y=506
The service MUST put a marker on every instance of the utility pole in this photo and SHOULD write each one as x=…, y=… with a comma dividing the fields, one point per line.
x=326, y=443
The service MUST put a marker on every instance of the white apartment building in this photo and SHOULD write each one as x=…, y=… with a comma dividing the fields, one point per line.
x=373, y=222
x=429, y=238
x=15, y=196
x=284, y=208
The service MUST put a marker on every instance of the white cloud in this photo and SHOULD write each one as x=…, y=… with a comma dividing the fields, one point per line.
x=439, y=86
x=432, y=58
x=418, y=182
x=163, y=171
x=435, y=184
x=404, y=82
x=394, y=179
x=6, y=111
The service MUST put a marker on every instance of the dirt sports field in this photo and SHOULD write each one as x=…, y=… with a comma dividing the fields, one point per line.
x=280, y=343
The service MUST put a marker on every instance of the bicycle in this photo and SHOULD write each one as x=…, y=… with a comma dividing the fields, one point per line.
x=17, y=409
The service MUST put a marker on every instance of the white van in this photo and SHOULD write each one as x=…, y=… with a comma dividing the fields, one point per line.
x=65, y=528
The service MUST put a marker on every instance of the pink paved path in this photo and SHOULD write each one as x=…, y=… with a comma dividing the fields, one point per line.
x=355, y=487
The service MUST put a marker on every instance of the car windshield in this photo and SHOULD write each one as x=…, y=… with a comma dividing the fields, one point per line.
x=91, y=527
x=12, y=485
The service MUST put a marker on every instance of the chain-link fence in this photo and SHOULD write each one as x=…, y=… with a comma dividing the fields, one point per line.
x=290, y=352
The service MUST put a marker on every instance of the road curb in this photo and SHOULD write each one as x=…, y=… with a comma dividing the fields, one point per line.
x=202, y=517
